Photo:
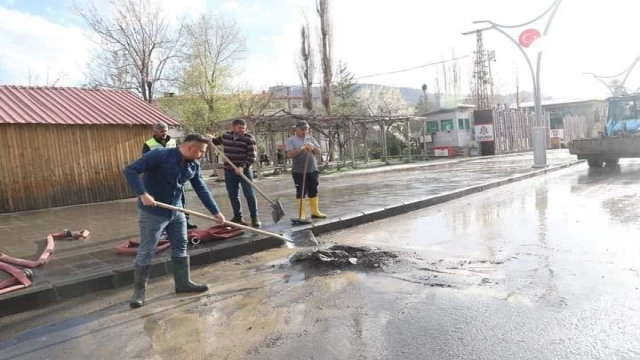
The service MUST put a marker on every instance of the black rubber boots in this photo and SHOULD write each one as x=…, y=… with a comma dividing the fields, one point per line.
x=140, y=279
x=182, y=278
x=181, y=275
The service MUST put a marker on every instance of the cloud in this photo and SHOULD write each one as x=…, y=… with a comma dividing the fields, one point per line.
x=372, y=37
x=33, y=44
x=233, y=6
x=37, y=47
x=175, y=9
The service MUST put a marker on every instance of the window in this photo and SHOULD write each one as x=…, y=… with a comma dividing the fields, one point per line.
x=463, y=124
x=295, y=105
x=624, y=109
x=447, y=125
x=432, y=126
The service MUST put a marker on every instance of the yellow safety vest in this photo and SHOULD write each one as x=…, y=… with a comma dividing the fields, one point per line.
x=153, y=144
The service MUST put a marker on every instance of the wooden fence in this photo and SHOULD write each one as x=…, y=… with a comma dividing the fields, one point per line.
x=44, y=166
x=580, y=126
x=513, y=129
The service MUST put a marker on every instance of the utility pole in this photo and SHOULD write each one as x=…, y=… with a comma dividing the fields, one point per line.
x=424, y=121
x=481, y=73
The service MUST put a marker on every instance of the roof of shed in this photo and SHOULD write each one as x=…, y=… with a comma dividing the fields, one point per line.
x=76, y=106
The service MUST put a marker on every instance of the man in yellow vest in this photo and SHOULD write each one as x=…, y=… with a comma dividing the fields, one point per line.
x=161, y=139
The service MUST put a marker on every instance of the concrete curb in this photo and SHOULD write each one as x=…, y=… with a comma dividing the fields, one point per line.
x=46, y=294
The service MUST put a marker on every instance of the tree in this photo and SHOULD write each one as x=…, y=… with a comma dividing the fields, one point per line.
x=423, y=102
x=306, y=66
x=213, y=45
x=382, y=101
x=136, y=45
x=33, y=79
x=326, y=62
x=454, y=76
x=326, y=49
x=438, y=93
x=344, y=100
x=249, y=104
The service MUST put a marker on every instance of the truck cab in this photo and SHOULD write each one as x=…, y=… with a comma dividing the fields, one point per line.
x=623, y=116
x=620, y=138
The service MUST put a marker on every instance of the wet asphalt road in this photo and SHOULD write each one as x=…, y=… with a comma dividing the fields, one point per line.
x=546, y=268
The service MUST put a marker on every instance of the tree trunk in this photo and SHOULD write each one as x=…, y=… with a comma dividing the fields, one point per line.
x=365, y=139
x=424, y=136
x=331, y=146
x=408, y=140
x=274, y=147
x=284, y=141
x=385, y=153
x=351, y=147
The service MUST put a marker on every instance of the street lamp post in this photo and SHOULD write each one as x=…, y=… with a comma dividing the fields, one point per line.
x=617, y=88
x=525, y=40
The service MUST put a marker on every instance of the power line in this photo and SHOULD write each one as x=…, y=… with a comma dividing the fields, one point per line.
x=397, y=71
x=413, y=68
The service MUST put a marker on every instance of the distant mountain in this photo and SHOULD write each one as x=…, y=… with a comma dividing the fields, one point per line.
x=410, y=95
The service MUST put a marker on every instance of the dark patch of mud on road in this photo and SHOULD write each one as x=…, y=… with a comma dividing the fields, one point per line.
x=405, y=266
x=342, y=256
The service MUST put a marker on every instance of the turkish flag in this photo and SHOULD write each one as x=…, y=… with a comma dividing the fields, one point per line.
x=528, y=36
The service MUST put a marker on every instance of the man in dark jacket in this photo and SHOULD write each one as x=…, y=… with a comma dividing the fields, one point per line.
x=160, y=140
x=165, y=171
x=240, y=148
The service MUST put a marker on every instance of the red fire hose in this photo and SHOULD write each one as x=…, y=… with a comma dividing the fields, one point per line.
x=21, y=278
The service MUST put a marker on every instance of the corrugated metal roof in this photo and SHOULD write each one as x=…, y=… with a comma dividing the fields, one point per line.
x=76, y=106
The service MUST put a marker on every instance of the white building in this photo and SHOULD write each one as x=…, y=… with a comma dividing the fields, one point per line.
x=450, y=127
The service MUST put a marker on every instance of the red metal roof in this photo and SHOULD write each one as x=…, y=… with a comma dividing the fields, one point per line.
x=76, y=106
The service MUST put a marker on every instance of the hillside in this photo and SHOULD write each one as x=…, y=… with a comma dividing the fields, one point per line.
x=410, y=95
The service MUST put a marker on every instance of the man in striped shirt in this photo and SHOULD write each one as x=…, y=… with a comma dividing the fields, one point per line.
x=240, y=148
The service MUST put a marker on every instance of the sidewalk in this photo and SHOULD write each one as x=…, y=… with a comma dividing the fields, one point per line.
x=78, y=267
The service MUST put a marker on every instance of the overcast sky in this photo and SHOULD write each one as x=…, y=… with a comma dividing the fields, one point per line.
x=372, y=36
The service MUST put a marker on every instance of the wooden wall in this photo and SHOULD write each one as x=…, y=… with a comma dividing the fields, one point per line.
x=44, y=166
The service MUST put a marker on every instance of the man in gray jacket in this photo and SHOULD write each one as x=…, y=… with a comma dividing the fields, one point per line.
x=303, y=148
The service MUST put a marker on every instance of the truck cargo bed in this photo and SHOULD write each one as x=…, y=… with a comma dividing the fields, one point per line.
x=606, y=147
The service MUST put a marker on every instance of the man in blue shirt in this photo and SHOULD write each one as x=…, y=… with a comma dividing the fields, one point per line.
x=159, y=140
x=165, y=171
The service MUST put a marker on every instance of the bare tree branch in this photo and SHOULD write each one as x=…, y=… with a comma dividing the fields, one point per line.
x=136, y=44
x=306, y=66
x=326, y=47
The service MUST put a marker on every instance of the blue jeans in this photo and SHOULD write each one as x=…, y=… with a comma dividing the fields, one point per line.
x=184, y=201
x=233, y=182
x=151, y=227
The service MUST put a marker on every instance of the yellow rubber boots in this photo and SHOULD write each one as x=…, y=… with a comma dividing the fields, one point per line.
x=301, y=209
x=315, y=209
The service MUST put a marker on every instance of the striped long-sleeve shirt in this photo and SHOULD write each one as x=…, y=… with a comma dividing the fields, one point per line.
x=242, y=151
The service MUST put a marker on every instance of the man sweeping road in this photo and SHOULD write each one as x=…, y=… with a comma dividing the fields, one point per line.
x=303, y=149
x=165, y=171
x=159, y=140
x=240, y=148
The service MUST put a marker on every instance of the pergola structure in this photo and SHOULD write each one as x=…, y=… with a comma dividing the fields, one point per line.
x=348, y=130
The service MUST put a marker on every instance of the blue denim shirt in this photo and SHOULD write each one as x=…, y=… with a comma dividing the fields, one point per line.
x=164, y=174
